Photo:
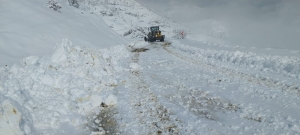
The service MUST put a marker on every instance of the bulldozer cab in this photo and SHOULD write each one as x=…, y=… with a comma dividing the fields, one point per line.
x=154, y=28
x=154, y=34
x=154, y=31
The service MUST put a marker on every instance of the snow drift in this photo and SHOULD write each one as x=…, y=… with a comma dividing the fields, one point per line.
x=58, y=94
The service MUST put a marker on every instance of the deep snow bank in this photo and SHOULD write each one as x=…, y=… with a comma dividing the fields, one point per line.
x=30, y=28
x=61, y=93
x=278, y=66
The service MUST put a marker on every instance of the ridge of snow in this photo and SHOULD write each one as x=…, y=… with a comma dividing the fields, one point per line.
x=58, y=92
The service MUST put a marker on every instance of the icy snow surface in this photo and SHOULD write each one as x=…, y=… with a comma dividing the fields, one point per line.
x=181, y=86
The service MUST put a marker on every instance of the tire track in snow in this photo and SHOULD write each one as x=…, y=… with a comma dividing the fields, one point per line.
x=154, y=117
x=195, y=101
x=246, y=77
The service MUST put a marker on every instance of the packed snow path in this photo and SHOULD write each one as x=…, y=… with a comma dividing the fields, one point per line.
x=151, y=88
x=172, y=92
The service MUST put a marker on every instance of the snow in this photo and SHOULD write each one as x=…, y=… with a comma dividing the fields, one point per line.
x=96, y=100
x=111, y=100
x=95, y=74
x=248, y=23
x=30, y=27
x=10, y=119
x=57, y=94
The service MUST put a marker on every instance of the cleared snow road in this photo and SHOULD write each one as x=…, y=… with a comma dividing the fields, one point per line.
x=151, y=88
x=170, y=92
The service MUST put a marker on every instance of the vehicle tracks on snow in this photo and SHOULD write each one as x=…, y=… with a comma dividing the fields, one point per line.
x=154, y=117
x=246, y=77
x=190, y=104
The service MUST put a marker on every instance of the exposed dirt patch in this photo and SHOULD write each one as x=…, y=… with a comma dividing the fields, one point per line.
x=139, y=49
x=105, y=122
x=14, y=111
x=166, y=44
x=202, y=104
x=135, y=58
x=256, y=119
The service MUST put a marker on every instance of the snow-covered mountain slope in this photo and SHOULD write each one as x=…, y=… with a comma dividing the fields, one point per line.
x=180, y=86
x=129, y=18
x=30, y=28
x=261, y=24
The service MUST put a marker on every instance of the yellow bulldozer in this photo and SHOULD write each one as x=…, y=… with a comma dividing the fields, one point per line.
x=154, y=34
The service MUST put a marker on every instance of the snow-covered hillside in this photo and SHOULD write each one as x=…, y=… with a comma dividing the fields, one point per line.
x=129, y=18
x=248, y=23
x=98, y=76
x=202, y=27
x=29, y=27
